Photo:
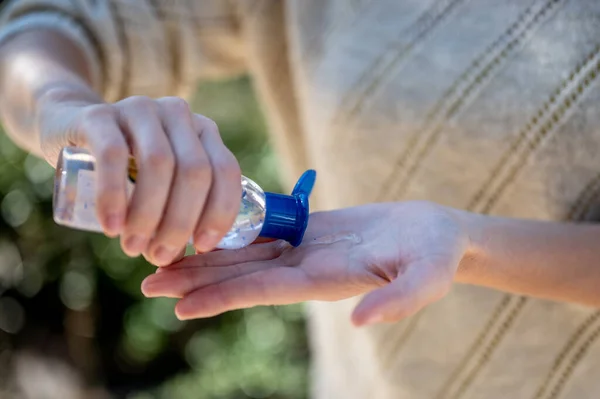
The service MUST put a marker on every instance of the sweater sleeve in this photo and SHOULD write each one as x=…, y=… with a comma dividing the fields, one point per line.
x=140, y=47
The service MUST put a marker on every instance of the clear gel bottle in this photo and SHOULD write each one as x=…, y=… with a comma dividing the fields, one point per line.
x=262, y=214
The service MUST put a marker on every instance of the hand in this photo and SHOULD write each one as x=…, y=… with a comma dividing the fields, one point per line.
x=188, y=182
x=405, y=253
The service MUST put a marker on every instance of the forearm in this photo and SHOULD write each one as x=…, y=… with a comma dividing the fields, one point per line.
x=558, y=261
x=33, y=64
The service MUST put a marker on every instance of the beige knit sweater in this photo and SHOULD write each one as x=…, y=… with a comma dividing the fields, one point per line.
x=487, y=105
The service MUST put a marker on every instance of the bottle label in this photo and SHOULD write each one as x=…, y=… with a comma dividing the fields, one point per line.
x=84, y=212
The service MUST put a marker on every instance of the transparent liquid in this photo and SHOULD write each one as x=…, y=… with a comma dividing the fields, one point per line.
x=74, y=200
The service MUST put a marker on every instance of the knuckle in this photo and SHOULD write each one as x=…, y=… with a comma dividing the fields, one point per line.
x=228, y=168
x=206, y=124
x=159, y=159
x=141, y=103
x=97, y=111
x=112, y=152
x=196, y=170
x=176, y=105
x=211, y=125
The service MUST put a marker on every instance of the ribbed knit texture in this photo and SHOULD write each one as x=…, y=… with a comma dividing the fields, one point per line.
x=486, y=105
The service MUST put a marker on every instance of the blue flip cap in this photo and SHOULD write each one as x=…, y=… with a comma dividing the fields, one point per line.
x=286, y=216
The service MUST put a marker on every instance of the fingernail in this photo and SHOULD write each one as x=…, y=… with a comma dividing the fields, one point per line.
x=206, y=240
x=164, y=255
x=114, y=224
x=136, y=244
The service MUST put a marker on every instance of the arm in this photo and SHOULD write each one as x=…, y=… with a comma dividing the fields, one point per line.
x=33, y=64
x=558, y=261
x=68, y=72
x=400, y=256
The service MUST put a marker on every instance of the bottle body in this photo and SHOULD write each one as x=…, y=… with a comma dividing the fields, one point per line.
x=75, y=195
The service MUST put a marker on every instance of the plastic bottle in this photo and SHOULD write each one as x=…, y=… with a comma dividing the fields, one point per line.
x=261, y=213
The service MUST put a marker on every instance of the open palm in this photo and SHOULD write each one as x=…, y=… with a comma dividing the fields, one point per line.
x=406, y=253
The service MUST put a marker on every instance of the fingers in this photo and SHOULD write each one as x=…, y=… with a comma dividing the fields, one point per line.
x=177, y=282
x=252, y=253
x=190, y=185
x=403, y=297
x=188, y=182
x=225, y=195
x=275, y=286
x=198, y=271
x=107, y=144
x=155, y=163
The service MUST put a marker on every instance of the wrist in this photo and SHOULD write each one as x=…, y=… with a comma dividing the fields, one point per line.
x=54, y=111
x=70, y=93
x=472, y=264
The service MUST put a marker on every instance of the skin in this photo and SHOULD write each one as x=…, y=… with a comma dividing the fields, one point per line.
x=188, y=183
x=399, y=256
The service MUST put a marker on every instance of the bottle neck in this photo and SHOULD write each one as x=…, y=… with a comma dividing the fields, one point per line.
x=286, y=217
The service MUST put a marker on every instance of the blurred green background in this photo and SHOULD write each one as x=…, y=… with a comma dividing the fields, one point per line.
x=73, y=322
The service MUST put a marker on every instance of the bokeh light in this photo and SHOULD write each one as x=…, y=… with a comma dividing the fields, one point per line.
x=12, y=316
x=76, y=289
x=16, y=207
x=77, y=296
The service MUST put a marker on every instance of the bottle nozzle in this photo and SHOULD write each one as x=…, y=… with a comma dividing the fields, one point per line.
x=286, y=216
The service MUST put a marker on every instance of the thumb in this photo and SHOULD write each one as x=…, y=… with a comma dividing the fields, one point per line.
x=418, y=286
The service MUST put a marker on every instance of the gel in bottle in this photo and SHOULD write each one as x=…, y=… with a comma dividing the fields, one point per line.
x=262, y=214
